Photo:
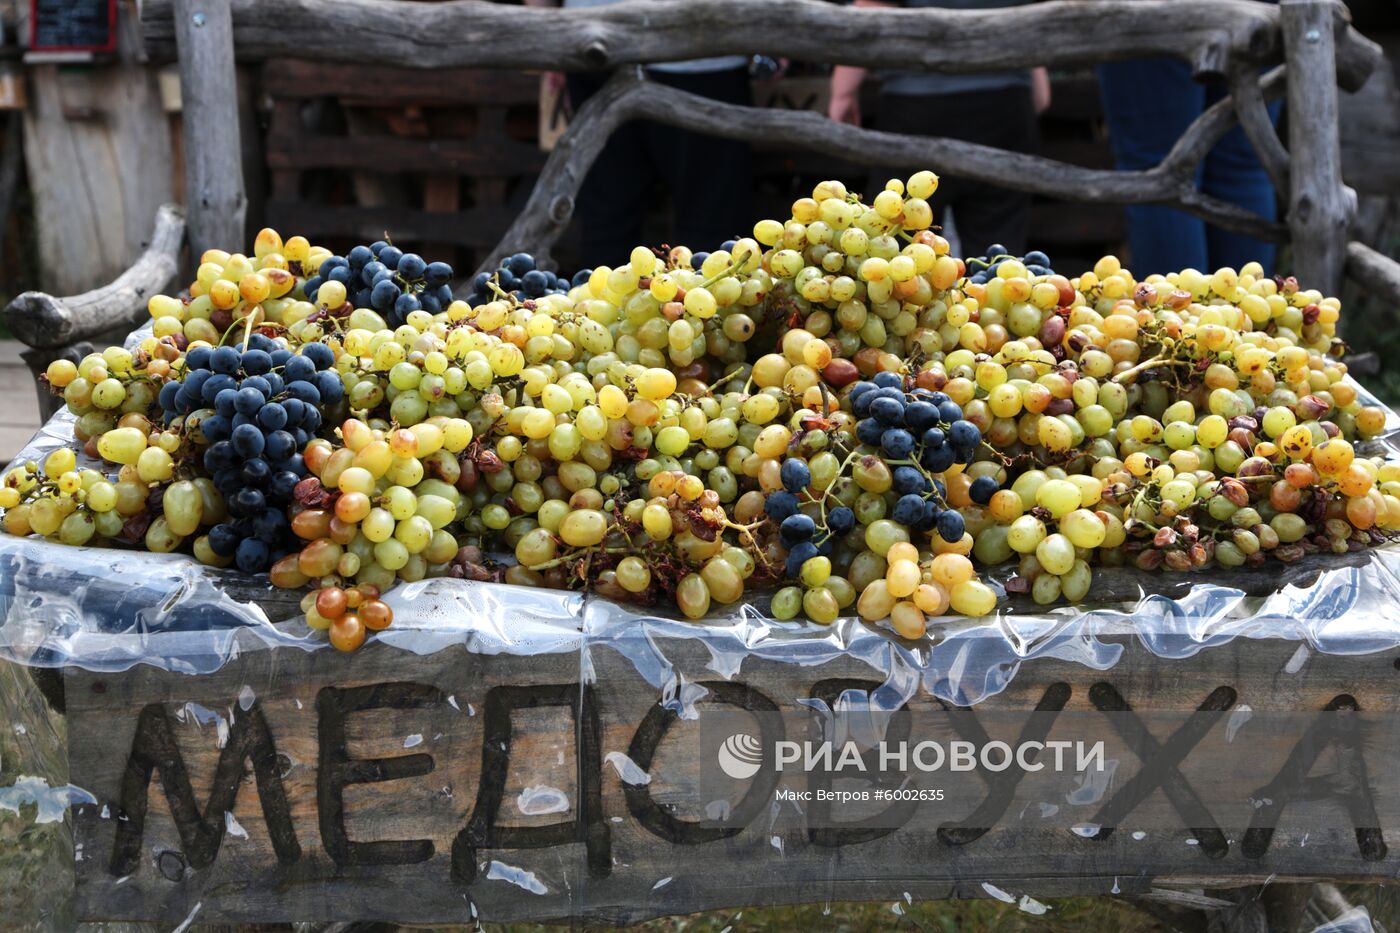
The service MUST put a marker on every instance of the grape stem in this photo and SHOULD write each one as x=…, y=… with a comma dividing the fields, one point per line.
x=232, y=327
x=1148, y=364
x=575, y=555
x=734, y=266
x=247, y=332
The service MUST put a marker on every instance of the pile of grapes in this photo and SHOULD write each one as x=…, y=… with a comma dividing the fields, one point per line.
x=833, y=412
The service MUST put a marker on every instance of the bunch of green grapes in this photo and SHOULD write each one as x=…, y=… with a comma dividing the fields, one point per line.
x=76, y=505
x=232, y=287
x=664, y=311
x=377, y=505
x=870, y=279
x=102, y=389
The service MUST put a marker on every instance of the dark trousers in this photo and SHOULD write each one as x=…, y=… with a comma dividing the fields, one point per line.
x=1002, y=117
x=1149, y=103
x=708, y=180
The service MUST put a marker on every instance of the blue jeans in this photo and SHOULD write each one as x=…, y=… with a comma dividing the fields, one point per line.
x=1148, y=105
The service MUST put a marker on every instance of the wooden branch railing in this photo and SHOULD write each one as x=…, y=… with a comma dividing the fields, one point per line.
x=43, y=321
x=476, y=34
x=1252, y=109
x=628, y=96
x=1378, y=272
x=1228, y=39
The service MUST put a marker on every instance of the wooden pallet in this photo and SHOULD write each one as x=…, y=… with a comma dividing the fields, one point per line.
x=431, y=158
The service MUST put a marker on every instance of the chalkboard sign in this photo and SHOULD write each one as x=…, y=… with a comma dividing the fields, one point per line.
x=73, y=25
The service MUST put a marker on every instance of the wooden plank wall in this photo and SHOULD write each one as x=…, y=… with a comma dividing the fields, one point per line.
x=98, y=157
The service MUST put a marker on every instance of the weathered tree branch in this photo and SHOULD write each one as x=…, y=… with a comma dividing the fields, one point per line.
x=1253, y=113
x=41, y=320
x=476, y=34
x=551, y=206
x=1212, y=125
x=629, y=96
x=1376, y=271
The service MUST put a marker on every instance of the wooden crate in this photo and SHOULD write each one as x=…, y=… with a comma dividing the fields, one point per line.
x=296, y=785
x=431, y=158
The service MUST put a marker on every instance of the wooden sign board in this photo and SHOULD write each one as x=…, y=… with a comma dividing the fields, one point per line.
x=72, y=25
x=452, y=786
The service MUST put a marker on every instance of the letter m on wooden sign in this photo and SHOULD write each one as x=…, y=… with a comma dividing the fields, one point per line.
x=201, y=832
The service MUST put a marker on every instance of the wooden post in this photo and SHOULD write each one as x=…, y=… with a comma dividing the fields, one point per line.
x=1320, y=206
x=214, y=192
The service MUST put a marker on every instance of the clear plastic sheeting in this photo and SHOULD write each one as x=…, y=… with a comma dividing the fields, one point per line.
x=1356, y=920
x=104, y=609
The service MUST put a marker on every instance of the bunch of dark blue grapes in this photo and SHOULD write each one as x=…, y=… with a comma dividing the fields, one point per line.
x=267, y=405
x=799, y=532
x=925, y=427
x=383, y=277
x=982, y=269
x=520, y=277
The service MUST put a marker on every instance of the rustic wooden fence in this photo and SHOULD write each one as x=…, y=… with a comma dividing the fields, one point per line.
x=1308, y=44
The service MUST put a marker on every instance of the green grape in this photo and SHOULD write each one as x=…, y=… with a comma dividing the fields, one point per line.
x=182, y=505
x=108, y=394
x=102, y=496
x=537, y=547
x=723, y=580
x=109, y=524
x=786, y=603
x=1025, y=534
x=1229, y=554
x=77, y=529
x=1046, y=589
x=816, y=571
x=883, y=534
x=583, y=528
x=693, y=596
x=1074, y=585
x=672, y=441
x=414, y=534
x=1056, y=554
x=633, y=575
x=122, y=445
x=1059, y=497
x=1083, y=528
x=45, y=517
x=438, y=511
x=820, y=605
x=160, y=539
x=391, y=554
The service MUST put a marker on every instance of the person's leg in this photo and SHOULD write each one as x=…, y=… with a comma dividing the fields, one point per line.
x=612, y=200
x=710, y=180
x=1232, y=172
x=1148, y=104
x=986, y=214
